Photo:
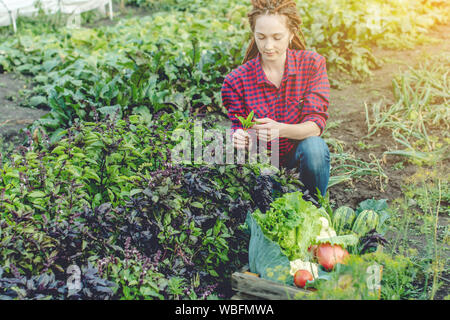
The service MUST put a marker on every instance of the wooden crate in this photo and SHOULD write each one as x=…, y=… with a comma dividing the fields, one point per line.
x=249, y=286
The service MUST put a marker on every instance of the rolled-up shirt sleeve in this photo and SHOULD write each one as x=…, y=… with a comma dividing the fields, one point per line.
x=316, y=99
x=233, y=102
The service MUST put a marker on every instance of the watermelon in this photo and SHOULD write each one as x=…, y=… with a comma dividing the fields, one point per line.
x=343, y=220
x=366, y=221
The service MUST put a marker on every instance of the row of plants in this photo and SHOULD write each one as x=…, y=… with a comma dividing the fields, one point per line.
x=419, y=119
x=55, y=215
x=345, y=31
x=72, y=86
x=418, y=123
x=180, y=57
x=107, y=198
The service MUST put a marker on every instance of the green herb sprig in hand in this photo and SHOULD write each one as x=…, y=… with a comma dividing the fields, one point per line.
x=247, y=123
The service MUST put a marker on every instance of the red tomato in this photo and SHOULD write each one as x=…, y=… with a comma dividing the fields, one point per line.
x=301, y=276
x=329, y=255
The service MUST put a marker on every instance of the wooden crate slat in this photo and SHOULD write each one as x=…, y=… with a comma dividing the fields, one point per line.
x=262, y=288
x=244, y=296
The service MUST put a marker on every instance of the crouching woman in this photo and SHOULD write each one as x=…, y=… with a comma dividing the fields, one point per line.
x=287, y=88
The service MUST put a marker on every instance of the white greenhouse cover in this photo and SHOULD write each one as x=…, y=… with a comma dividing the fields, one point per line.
x=11, y=9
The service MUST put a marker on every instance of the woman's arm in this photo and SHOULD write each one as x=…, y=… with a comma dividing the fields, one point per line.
x=269, y=129
x=314, y=110
x=232, y=101
x=316, y=99
x=299, y=131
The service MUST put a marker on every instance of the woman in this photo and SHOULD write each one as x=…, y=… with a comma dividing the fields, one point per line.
x=287, y=88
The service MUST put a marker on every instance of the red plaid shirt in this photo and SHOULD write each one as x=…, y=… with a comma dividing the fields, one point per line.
x=302, y=96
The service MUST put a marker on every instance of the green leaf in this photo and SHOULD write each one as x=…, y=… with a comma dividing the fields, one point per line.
x=345, y=241
x=250, y=117
x=89, y=173
x=292, y=222
x=213, y=273
x=36, y=194
x=135, y=191
x=372, y=204
x=38, y=101
x=111, y=111
x=59, y=150
x=265, y=256
x=197, y=205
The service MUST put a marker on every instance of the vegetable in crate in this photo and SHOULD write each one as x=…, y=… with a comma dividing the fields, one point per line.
x=298, y=264
x=301, y=276
x=343, y=219
x=327, y=231
x=329, y=255
x=293, y=223
x=381, y=208
x=366, y=220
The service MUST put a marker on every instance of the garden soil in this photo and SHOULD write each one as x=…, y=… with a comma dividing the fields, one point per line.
x=13, y=117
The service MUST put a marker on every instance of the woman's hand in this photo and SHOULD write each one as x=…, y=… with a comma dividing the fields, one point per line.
x=267, y=129
x=241, y=139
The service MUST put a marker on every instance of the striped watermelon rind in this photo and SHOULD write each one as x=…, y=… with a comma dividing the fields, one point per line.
x=343, y=219
x=366, y=221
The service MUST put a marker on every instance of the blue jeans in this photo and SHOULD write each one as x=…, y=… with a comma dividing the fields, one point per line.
x=312, y=159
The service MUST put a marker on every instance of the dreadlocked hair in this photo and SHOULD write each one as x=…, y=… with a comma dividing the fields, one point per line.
x=287, y=8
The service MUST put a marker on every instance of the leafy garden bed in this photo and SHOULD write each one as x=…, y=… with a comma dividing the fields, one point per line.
x=92, y=200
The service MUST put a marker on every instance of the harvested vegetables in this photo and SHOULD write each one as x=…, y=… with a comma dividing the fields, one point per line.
x=298, y=264
x=343, y=219
x=293, y=223
x=301, y=277
x=366, y=221
x=299, y=227
x=329, y=255
x=304, y=242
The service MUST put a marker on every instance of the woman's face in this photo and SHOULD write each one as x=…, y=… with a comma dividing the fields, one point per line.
x=272, y=36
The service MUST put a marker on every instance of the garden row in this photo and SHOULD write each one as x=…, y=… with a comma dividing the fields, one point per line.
x=104, y=199
x=179, y=58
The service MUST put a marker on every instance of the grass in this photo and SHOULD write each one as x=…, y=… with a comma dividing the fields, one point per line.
x=346, y=167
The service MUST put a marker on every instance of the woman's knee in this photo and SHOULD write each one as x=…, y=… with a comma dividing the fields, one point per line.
x=314, y=154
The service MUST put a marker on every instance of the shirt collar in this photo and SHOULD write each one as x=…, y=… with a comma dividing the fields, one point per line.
x=289, y=68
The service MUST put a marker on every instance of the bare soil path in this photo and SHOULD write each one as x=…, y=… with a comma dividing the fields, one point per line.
x=13, y=117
